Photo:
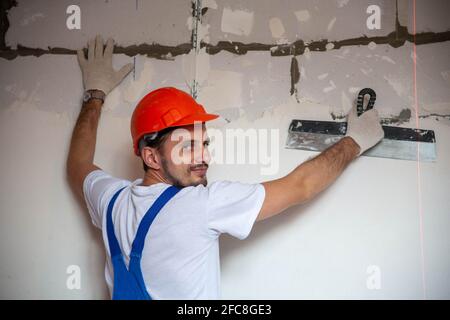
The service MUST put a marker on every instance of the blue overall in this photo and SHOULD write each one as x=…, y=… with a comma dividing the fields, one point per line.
x=129, y=284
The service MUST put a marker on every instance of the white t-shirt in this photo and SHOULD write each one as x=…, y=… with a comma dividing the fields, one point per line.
x=180, y=259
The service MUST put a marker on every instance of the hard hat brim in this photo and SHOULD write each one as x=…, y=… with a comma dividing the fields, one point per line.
x=191, y=119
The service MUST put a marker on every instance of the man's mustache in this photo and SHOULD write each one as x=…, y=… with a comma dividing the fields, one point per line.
x=199, y=166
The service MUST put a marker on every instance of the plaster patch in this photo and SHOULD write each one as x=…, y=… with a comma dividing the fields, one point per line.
x=209, y=4
x=203, y=32
x=237, y=22
x=27, y=20
x=330, y=88
x=276, y=27
x=342, y=3
x=396, y=84
x=254, y=84
x=190, y=23
x=446, y=75
x=282, y=41
x=135, y=88
x=322, y=76
x=24, y=99
x=222, y=90
x=302, y=15
x=345, y=102
x=307, y=53
x=195, y=66
x=329, y=46
x=403, y=117
x=303, y=73
x=247, y=62
x=386, y=58
x=372, y=45
x=437, y=108
x=366, y=71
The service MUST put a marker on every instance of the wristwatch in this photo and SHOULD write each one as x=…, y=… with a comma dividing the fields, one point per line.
x=93, y=94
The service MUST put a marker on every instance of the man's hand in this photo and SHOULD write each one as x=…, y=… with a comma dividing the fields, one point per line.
x=98, y=74
x=97, y=70
x=365, y=130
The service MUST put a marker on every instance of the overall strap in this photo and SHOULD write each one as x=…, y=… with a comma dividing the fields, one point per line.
x=114, y=248
x=138, y=243
x=129, y=284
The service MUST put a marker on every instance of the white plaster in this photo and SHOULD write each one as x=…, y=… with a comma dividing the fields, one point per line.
x=372, y=45
x=446, y=75
x=322, y=76
x=222, y=90
x=212, y=4
x=437, y=108
x=30, y=19
x=203, y=32
x=366, y=71
x=329, y=46
x=137, y=88
x=331, y=24
x=195, y=66
x=161, y=22
x=330, y=88
x=247, y=62
x=342, y=3
x=386, y=58
x=307, y=53
x=282, y=41
x=276, y=27
x=295, y=239
x=237, y=22
x=354, y=89
x=302, y=15
x=396, y=83
x=303, y=73
x=346, y=104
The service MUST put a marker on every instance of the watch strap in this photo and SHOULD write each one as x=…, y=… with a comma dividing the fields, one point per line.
x=94, y=94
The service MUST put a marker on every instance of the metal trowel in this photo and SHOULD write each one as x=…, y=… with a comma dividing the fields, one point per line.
x=398, y=143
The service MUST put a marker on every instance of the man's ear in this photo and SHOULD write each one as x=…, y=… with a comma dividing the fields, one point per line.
x=151, y=157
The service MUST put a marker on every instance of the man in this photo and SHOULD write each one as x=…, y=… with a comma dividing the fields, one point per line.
x=178, y=257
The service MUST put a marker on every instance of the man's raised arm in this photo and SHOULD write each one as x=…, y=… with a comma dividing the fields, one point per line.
x=99, y=78
x=313, y=176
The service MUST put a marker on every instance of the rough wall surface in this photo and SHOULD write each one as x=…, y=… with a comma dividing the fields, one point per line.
x=259, y=64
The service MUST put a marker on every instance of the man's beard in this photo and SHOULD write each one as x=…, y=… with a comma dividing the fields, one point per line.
x=175, y=181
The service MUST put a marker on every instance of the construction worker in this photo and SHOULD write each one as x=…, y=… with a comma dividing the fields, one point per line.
x=161, y=232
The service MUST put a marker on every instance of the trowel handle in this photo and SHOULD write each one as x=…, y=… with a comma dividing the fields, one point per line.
x=360, y=101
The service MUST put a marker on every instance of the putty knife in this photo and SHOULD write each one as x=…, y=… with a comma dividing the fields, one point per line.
x=398, y=143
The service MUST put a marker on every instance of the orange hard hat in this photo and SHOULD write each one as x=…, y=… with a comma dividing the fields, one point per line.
x=164, y=108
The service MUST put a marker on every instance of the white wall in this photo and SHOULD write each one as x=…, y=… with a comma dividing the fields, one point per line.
x=371, y=216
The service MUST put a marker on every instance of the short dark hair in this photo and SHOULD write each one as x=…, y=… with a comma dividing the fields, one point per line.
x=154, y=140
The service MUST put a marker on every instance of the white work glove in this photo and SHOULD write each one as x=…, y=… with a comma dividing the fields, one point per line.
x=366, y=129
x=97, y=70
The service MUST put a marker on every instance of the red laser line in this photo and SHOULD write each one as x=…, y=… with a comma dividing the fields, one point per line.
x=419, y=189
